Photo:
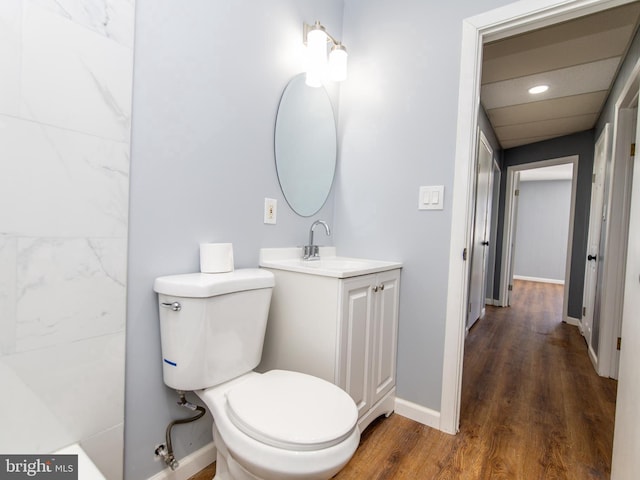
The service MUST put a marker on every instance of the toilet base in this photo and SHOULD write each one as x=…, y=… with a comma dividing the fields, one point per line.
x=226, y=467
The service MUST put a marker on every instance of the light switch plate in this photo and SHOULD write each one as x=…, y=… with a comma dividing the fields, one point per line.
x=270, y=210
x=431, y=198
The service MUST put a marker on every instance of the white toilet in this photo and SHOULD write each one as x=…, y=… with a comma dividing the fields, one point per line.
x=278, y=425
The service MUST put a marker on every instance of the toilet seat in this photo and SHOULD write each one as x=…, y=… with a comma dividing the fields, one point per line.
x=265, y=461
x=292, y=411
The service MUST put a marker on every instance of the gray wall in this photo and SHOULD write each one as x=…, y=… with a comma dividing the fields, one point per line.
x=398, y=115
x=542, y=227
x=207, y=81
x=580, y=144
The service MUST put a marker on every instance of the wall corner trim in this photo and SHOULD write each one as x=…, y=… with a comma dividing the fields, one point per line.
x=189, y=465
x=418, y=413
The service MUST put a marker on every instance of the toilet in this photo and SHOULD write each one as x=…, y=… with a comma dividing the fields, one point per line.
x=277, y=425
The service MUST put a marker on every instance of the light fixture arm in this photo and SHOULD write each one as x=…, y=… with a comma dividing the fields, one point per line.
x=318, y=26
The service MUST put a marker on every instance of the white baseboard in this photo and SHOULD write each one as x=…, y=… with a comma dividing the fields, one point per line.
x=189, y=465
x=538, y=279
x=573, y=321
x=418, y=413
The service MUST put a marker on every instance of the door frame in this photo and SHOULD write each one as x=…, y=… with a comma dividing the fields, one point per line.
x=510, y=226
x=616, y=236
x=512, y=19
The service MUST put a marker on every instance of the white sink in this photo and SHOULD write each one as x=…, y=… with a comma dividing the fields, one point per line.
x=329, y=265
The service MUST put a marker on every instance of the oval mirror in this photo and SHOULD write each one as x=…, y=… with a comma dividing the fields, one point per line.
x=305, y=146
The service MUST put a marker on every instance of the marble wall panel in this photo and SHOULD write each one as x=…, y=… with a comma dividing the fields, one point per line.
x=10, y=55
x=39, y=431
x=112, y=19
x=65, y=110
x=68, y=289
x=73, y=78
x=80, y=383
x=8, y=259
x=56, y=182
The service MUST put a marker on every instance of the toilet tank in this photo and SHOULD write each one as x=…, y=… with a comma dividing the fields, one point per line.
x=212, y=326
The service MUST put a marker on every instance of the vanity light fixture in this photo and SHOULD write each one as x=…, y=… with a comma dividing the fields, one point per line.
x=321, y=66
x=538, y=89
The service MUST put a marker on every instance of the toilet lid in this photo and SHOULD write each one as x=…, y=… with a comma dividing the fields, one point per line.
x=292, y=410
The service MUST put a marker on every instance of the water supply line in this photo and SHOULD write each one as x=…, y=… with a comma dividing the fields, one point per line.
x=166, y=451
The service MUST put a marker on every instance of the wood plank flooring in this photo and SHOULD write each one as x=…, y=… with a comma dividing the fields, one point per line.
x=532, y=407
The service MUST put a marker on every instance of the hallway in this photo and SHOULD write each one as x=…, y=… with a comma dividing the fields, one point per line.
x=532, y=406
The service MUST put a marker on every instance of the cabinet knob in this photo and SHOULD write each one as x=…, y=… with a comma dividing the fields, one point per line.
x=382, y=286
x=375, y=289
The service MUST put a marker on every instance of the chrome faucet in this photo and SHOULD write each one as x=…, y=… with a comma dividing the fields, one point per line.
x=311, y=251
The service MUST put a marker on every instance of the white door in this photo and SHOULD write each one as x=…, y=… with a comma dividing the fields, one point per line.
x=594, y=260
x=480, y=232
x=626, y=438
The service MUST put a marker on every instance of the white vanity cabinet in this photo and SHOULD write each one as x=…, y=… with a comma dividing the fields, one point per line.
x=341, y=329
x=368, y=330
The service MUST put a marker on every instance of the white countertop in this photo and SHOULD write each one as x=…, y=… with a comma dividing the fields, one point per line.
x=329, y=264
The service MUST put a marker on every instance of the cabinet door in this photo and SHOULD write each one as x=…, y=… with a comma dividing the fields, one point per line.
x=355, y=340
x=385, y=334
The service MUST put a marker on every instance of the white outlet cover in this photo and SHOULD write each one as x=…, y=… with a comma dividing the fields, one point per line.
x=270, y=210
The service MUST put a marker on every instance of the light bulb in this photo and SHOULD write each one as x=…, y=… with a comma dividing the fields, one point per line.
x=338, y=63
x=316, y=57
x=538, y=89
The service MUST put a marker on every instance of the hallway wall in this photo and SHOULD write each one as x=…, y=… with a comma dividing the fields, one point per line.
x=544, y=211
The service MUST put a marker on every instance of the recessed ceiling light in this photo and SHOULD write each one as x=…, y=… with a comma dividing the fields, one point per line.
x=538, y=89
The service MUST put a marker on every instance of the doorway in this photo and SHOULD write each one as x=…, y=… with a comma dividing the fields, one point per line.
x=499, y=23
x=541, y=267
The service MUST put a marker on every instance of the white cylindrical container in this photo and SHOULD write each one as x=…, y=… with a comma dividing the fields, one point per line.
x=216, y=257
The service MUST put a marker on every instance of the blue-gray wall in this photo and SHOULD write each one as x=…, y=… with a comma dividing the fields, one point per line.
x=207, y=81
x=580, y=144
x=398, y=117
x=542, y=228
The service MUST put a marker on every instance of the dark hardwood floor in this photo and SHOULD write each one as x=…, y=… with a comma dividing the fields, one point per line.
x=532, y=407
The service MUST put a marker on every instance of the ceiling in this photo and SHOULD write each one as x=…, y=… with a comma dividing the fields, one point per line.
x=578, y=60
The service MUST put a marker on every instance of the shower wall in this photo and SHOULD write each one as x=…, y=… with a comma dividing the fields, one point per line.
x=65, y=108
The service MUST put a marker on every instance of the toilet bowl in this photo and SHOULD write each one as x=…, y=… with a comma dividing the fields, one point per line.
x=281, y=425
x=278, y=425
